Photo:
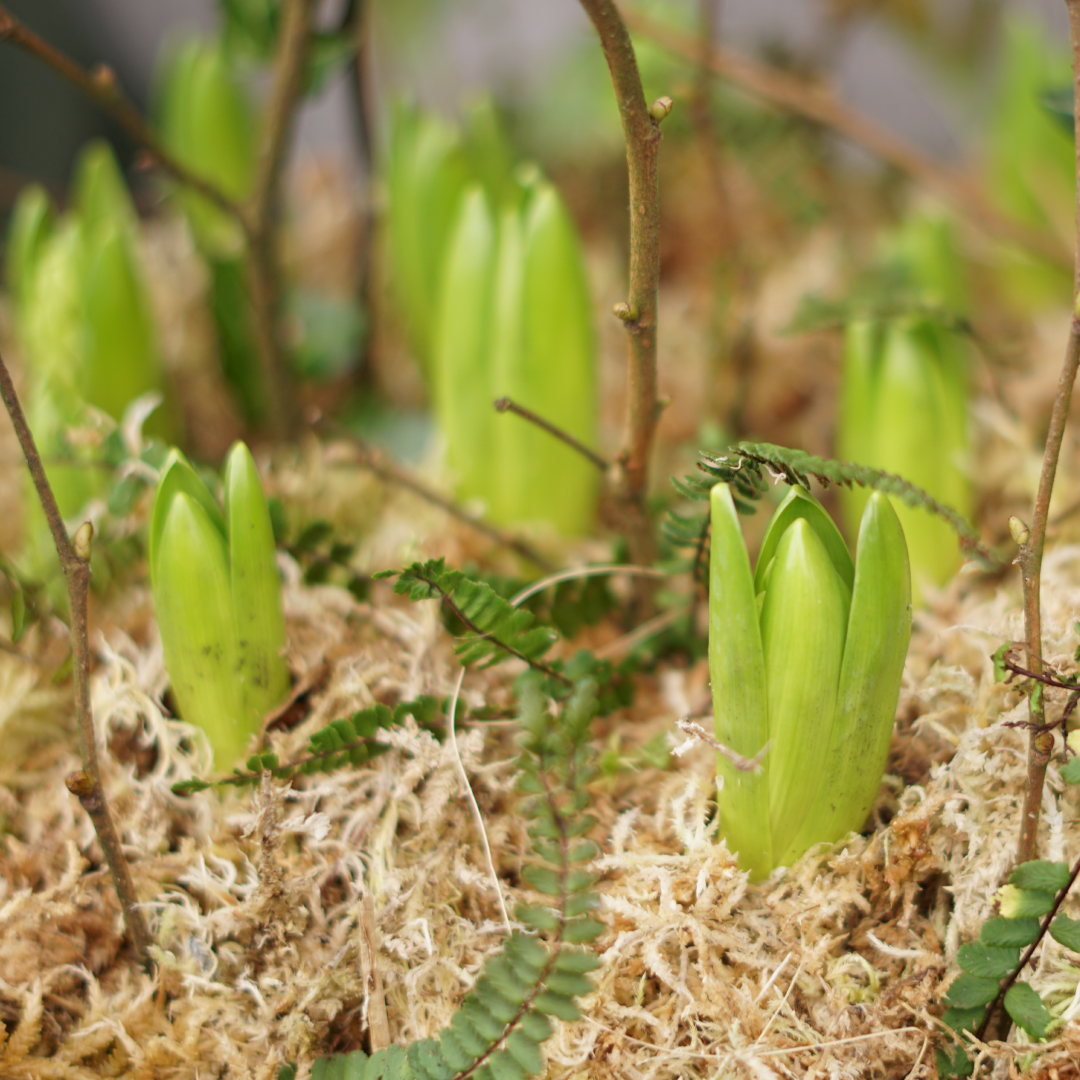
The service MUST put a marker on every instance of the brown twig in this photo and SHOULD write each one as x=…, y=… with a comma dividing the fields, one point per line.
x=818, y=104
x=1041, y=742
x=102, y=86
x=376, y=464
x=86, y=784
x=259, y=218
x=504, y=404
x=264, y=270
x=641, y=130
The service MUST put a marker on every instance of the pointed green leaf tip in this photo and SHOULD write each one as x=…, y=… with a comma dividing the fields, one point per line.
x=218, y=598
x=807, y=657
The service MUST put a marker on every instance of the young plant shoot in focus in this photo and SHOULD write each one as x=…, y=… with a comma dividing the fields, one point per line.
x=805, y=657
x=218, y=598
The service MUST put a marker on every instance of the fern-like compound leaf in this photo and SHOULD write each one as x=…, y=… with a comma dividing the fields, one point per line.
x=496, y=628
x=745, y=465
x=498, y=1031
x=504, y=1067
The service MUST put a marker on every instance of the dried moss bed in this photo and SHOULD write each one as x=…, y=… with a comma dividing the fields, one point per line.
x=264, y=903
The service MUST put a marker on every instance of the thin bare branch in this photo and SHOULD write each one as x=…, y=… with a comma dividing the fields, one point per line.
x=86, y=785
x=1041, y=741
x=370, y=459
x=817, y=103
x=504, y=404
x=264, y=263
x=639, y=313
x=102, y=86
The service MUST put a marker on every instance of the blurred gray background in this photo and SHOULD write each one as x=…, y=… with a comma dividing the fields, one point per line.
x=442, y=51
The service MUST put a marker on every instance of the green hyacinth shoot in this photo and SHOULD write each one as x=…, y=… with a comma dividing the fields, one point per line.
x=903, y=408
x=86, y=328
x=805, y=657
x=514, y=320
x=218, y=597
x=83, y=309
x=208, y=122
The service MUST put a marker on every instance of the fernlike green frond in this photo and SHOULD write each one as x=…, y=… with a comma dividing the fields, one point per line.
x=797, y=466
x=497, y=629
x=737, y=670
x=498, y=1031
x=256, y=587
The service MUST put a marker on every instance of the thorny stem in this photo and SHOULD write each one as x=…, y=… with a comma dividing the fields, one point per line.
x=86, y=785
x=818, y=104
x=265, y=273
x=102, y=87
x=1041, y=742
x=642, y=134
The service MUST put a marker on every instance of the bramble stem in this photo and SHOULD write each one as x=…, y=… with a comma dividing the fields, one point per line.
x=642, y=134
x=87, y=783
x=1040, y=742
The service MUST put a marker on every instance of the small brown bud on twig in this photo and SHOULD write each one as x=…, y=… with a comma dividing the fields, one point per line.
x=104, y=77
x=80, y=784
x=625, y=312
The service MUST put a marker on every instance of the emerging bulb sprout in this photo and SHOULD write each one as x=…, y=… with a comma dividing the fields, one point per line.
x=806, y=657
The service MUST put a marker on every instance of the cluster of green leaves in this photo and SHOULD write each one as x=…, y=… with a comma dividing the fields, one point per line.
x=745, y=465
x=348, y=741
x=322, y=555
x=499, y=1030
x=1006, y=943
x=494, y=629
x=251, y=29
